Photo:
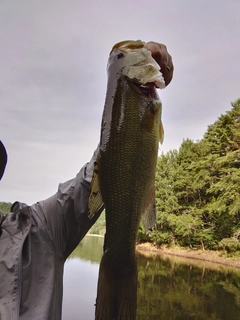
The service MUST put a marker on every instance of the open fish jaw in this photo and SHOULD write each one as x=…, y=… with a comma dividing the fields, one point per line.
x=133, y=60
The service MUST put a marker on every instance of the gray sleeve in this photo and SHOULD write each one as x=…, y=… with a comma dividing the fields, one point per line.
x=65, y=214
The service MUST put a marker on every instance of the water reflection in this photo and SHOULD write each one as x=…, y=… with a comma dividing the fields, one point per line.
x=172, y=290
x=80, y=280
x=168, y=288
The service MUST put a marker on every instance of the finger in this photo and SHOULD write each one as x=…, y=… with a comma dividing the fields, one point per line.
x=163, y=58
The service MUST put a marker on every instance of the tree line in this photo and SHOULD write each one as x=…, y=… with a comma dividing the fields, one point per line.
x=198, y=189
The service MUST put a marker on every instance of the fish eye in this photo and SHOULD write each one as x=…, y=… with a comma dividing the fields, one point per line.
x=120, y=55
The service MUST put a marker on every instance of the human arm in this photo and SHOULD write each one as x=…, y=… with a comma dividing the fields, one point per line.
x=65, y=214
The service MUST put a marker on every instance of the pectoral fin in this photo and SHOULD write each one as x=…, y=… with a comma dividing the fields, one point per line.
x=150, y=214
x=95, y=201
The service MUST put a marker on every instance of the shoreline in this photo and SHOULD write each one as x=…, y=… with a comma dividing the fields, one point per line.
x=199, y=257
x=207, y=258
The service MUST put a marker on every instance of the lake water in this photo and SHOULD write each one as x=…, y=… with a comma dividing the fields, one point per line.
x=168, y=288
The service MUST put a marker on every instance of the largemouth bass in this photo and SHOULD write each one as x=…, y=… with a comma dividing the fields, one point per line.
x=124, y=173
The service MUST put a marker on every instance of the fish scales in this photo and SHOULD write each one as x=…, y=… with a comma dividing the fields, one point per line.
x=127, y=169
x=124, y=173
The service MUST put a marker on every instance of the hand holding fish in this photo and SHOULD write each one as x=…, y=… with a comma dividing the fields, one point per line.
x=163, y=58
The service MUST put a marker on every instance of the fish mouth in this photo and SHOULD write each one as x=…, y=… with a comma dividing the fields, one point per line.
x=148, y=89
x=134, y=60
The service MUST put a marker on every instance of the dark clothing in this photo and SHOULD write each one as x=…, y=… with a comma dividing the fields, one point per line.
x=3, y=159
x=35, y=242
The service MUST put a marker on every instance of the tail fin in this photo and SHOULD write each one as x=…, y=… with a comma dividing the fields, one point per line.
x=117, y=291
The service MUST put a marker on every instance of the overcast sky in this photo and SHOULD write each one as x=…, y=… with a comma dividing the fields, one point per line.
x=53, y=78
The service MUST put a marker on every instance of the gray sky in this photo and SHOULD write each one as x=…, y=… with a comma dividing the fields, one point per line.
x=53, y=78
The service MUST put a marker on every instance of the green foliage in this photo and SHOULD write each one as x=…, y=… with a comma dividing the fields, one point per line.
x=5, y=207
x=229, y=244
x=198, y=189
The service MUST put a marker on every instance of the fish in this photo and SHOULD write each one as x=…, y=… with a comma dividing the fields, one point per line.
x=124, y=172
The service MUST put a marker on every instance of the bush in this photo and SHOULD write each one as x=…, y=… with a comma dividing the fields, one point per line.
x=229, y=244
